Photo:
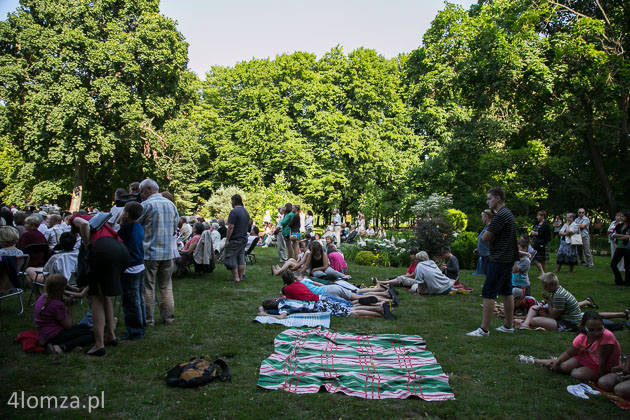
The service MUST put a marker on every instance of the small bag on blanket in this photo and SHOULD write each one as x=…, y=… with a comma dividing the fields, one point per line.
x=197, y=372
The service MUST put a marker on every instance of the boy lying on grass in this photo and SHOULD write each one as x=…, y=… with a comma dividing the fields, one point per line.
x=281, y=308
x=334, y=290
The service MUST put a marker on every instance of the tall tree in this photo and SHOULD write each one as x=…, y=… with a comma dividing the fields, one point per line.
x=83, y=86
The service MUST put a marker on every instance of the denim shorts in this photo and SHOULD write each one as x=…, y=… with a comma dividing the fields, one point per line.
x=498, y=280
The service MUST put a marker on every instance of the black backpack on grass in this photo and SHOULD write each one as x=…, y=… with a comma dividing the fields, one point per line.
x=197, y=372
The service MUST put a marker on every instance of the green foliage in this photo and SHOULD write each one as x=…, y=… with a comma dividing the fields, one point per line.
x=219, y=204
x=432, y=235
x=87, y=89
x=434, y=205
x=388, y=253
x=261, y=199
x=463, y=247
x=365, y=258
x=349, y=251
x=457, y=219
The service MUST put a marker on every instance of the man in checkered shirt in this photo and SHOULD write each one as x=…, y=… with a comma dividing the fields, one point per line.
x=159, y=220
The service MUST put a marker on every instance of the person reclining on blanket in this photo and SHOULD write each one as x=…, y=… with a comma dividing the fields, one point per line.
x=562, y=313
x=336, y=290
x=295, y=290
x=281, y=308
x=428, y=278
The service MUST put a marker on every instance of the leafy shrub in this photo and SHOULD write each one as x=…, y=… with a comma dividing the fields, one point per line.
x=435, y=205
x=458, y=219
x=365, y=258
x=349, y=251
x=432, y=235
x=463, y=248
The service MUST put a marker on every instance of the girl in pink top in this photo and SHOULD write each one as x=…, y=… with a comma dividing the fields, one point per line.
x=336, y=260
x=593, y=353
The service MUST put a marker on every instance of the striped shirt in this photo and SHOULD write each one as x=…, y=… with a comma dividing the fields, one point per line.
x=503, y=249
x=159, y=220
x=562, y=300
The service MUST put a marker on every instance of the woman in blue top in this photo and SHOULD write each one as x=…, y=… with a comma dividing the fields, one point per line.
x=483, y=247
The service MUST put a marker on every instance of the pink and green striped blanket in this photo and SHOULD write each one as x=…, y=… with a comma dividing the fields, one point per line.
x=367, y=366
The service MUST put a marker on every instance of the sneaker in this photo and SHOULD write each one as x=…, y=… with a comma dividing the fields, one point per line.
x=504, y=329
x=478, y=333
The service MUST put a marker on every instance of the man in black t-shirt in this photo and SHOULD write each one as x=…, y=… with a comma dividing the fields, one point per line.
x=501, y=235
x=236, y=239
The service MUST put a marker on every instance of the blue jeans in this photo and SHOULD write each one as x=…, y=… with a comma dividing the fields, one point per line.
x=133, y=304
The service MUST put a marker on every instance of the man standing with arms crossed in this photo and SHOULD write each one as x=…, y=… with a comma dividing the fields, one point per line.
x=584, y=250
x=159, y=220
x=501, y=235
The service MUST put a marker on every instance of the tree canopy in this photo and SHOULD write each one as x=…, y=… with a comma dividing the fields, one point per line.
x=531, y=96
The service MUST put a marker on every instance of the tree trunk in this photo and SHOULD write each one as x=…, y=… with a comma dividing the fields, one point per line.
x=80, y=174
x=598, y=162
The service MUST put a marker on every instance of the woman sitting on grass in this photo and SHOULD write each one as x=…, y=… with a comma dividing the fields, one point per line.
x=594, y=352
x=562, y=313
x=53, y=319
x=318, y=262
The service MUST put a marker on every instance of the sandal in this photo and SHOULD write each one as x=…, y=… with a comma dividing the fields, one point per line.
x=528, y=360
x=592, y=302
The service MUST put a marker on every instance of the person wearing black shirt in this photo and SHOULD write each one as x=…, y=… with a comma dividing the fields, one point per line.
x=501, y=235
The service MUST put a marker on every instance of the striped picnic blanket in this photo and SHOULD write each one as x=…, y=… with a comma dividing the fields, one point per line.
x=315, y=319
x=366, y=366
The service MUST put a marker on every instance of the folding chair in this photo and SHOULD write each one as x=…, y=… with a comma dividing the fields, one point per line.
x=249, y=255
x=21, y=262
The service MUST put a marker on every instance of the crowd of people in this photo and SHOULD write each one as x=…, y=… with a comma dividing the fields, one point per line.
x=135, y=250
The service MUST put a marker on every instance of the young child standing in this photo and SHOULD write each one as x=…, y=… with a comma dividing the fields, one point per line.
x=53, y=319
x=132, y=281
x=520, y=271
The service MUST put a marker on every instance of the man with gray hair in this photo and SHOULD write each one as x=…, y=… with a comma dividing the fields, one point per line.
x=159, y=220
x=428, y=278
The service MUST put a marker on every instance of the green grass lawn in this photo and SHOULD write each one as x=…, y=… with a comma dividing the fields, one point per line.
x=214, y=317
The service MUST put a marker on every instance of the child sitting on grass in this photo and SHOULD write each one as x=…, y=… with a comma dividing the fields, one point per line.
x=53, y=319
x=562, y=313
x=594, y=352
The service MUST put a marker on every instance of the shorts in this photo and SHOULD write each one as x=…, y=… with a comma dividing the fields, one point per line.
x=234, y=254
x=338, y=291
x=407, y=281
x=566, y=326
x=498, y=280
x=296, y=234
